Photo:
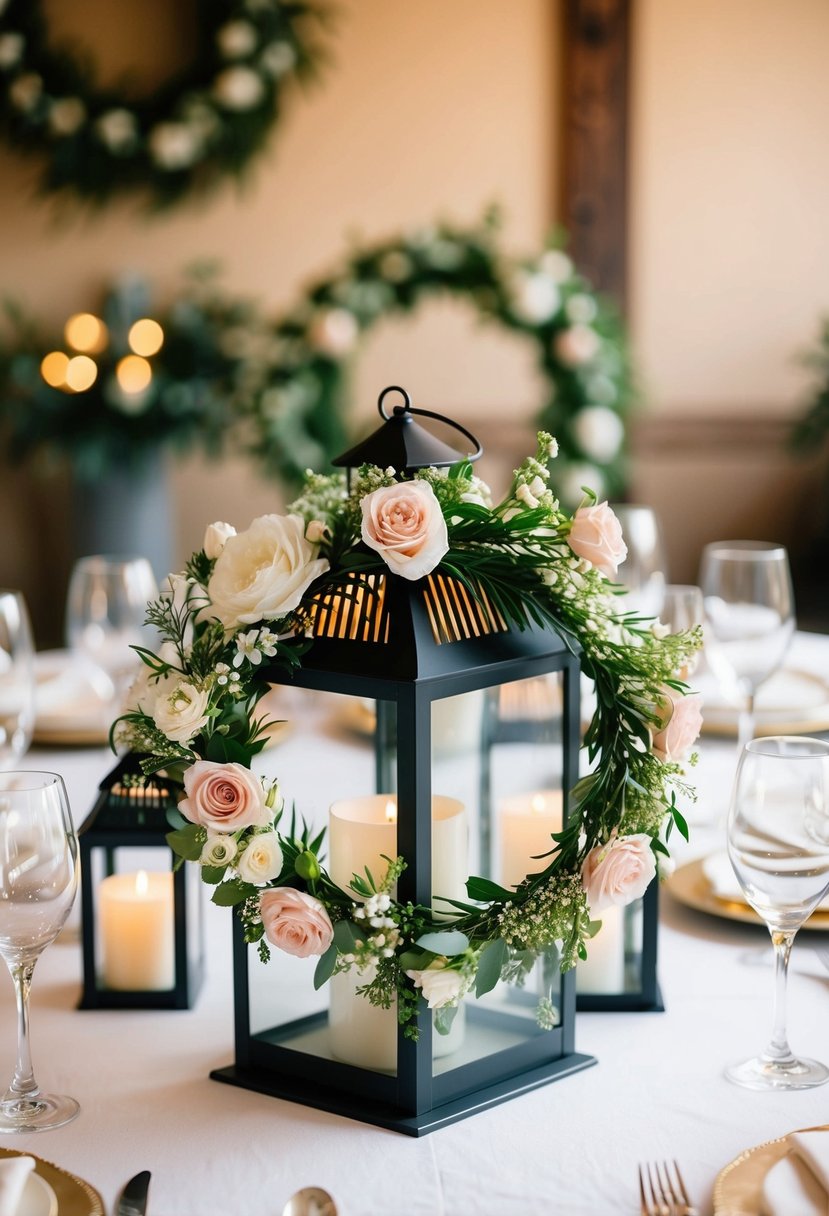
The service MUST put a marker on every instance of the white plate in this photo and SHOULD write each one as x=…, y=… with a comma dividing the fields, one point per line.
x=72, y=701
x=38, y=1198
x=789, y=703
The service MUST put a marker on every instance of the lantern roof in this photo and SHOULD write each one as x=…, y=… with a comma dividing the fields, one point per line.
x=405, y=444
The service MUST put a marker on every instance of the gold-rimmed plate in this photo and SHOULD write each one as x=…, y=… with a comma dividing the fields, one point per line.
x=74, y=1196
x=738, y=1190
x=690, y=886
x=791, y=702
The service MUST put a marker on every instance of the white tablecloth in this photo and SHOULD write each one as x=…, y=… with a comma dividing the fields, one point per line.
x=571, y=1147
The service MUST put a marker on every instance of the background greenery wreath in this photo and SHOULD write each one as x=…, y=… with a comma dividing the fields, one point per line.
x=299, y=419
x=209, y=121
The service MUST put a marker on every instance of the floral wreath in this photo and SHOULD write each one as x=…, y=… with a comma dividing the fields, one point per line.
x=210, y=120
x=241, y=608
x=579, y=347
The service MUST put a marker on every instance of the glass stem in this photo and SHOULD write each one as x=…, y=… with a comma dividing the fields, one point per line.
x=778, y=1049
x=745, y=729
x=24, y=1084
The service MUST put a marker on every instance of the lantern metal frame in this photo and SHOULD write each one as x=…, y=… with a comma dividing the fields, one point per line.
x=642, y=993
x=411, y=668
x=120, y=818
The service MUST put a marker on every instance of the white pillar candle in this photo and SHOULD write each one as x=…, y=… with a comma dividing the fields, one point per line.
x=525, y=826
x=136, y=924
x=604, y=969
x=361, y=831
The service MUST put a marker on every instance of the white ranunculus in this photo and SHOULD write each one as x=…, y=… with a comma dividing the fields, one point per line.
x=261, y=860
x=262, y=574
x=439, y=985
x=220, y=849
x=174, y=145
x=180, y=710
x=557, y=265
x=278, y=58
x=236, y=38
x=66, y=115
x=576, y=345
x=117, y=129
x=25, y=92
x=574, y=477
x=534, y=297
x=599, y=432
x=238, y=88
x=215, y=538
x=334, y=331
x=11, y=48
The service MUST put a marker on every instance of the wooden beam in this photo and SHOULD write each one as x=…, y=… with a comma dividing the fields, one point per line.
x=594, y=198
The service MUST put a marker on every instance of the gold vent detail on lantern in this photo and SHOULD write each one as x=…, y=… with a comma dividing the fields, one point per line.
x=455, y=614
x=357, y=611
x=354, y=611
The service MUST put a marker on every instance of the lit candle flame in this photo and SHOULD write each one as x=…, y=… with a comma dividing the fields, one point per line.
x=391, y=812
x=142, y=883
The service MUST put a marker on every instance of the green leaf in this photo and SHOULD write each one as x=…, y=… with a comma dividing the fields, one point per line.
x=346, y=936
x=325, y=967
x=233, y=892
x=187, y=842
x=493, y=957
x=680, y=821
x=450, y=943
x=224, y=750
x=483, y=889
x=444, y=1017
x=415, y=960
x=212, y=874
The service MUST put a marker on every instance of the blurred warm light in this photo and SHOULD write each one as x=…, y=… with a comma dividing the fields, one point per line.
x=86, y=332
x=146, y=337
x=53, y=368
x=81, y=373
x=133, y=374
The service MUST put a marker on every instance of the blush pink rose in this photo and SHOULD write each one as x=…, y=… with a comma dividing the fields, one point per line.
x=619, y=871
x=295, y=922
x=223, y=797
x=596, y=535
x=405, y=525
x=681, y=723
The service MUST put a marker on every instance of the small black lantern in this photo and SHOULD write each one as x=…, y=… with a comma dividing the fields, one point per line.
x=518, y=721
x=142, y=923
x=425, y=653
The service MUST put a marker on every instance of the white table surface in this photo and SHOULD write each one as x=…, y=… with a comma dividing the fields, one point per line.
x=571, y=1147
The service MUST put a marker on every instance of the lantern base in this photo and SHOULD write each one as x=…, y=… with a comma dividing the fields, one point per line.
x=351, y=1106
x=620, y=1002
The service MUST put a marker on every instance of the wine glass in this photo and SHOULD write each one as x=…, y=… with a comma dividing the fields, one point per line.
x=38, y=881
x=105, y=611
x=17, y=679
x=643, y=570
x=778, y=843
x=749, y=617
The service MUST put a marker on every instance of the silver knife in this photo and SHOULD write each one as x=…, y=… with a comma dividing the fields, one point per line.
x=133, y=1201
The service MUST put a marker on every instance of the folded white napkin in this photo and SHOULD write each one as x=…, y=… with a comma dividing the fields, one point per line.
x=799, y=1184
x=14, y=1172
x=71, y=692
x=720, y=874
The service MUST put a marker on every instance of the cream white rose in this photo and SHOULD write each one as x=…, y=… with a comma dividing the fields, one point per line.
x=215, y=537
x=262, y=574
x=180, y=711
x=261, y=860
x=405, y=525
x=439, y=985
x=219, y=850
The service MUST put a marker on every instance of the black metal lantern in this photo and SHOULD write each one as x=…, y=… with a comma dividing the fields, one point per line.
x=412, y=659
x=143, y=930
x=619, y=974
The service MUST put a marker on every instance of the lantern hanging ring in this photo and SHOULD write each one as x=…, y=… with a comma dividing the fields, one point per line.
x=401, y=412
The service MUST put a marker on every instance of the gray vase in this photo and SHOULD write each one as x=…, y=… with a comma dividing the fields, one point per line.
x=126, y=514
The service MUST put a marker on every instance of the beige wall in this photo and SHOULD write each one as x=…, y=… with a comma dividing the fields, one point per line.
x=729, y=257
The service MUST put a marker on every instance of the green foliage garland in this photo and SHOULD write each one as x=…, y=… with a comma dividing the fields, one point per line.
x=211, y=120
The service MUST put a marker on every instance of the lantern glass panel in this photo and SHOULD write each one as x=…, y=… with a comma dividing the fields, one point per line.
x=134, y=921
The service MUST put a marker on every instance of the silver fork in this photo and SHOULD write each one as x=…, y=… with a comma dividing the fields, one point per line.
x=662, y=1194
